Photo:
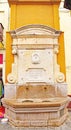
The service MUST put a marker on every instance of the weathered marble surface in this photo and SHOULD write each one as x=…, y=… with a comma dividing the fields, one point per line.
x=35, y=78
x=36, y=112
x=65, y=126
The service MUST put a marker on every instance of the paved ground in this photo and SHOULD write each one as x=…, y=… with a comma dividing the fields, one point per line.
x=65, y=126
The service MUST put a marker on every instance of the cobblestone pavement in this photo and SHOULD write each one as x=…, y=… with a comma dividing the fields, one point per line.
x=65, y=126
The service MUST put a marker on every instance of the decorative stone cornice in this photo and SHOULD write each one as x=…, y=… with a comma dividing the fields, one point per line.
x=35, y=31
x=22, y=1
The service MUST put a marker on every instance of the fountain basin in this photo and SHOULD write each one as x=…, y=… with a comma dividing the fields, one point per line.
x=36, y=112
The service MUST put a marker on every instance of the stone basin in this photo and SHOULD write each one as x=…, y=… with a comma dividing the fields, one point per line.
x=35, y=102
x=36, y=112
x=56, y=99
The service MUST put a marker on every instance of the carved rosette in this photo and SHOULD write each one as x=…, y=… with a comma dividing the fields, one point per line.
x=35, y=58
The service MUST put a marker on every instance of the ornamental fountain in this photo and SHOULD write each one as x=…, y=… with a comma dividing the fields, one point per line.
x=36, y=92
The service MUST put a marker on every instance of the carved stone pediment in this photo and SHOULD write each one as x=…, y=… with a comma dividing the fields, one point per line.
x=34, y=30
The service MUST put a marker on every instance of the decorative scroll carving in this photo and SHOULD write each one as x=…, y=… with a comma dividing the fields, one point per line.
x=56, y=51
x=60, y=77
x=11, y=78
x=14, y=50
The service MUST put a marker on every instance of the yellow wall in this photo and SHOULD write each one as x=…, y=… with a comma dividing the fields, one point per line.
x=9, y=56
x=61, y=54
x=35, y=13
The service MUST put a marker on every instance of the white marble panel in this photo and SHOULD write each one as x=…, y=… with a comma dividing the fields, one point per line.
x=39, y=70
x=10, y=91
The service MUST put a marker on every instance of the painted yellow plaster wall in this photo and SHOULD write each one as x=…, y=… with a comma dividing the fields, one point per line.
x=34, y=13
x=61, y=54
x=9, y=56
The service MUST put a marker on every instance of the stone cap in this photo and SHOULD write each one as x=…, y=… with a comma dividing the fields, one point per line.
x=14, y=103
x=22, y=1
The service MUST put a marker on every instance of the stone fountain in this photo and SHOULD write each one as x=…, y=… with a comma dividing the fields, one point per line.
x=36, y=92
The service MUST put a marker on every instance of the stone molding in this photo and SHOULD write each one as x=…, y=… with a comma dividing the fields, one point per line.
x=22, y=1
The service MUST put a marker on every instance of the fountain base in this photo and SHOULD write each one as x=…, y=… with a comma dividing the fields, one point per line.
x=36, y=113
